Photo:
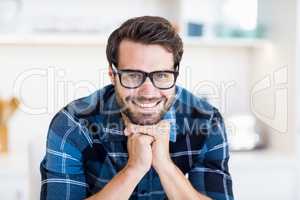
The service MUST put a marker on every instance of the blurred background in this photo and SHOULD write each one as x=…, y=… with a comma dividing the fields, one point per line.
x=242, y=56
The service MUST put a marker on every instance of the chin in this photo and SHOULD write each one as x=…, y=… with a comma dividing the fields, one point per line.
x=144, y=119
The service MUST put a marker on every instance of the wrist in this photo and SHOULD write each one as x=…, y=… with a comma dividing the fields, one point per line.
x=161, y=167
x=138, y=170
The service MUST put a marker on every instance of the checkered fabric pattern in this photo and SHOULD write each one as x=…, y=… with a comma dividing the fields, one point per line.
x=86, y=148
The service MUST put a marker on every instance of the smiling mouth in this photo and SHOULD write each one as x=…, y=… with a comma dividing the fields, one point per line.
x=147, y=105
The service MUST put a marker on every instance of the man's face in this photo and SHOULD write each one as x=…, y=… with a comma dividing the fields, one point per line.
x=146, y=104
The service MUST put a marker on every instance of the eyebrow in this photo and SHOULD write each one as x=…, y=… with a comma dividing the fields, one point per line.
x=128, y=68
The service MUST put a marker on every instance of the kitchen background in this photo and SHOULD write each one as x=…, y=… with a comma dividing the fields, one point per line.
x=242, y=56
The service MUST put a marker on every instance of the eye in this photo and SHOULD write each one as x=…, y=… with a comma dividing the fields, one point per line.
x=134, y=75
x=162, y=75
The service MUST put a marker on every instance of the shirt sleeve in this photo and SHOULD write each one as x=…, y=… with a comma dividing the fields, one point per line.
x=210, y=174
x=62, y=169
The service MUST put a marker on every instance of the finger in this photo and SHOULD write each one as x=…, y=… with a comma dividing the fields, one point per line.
x=127, y=132
x=150, y=139
x=164, y=127
x=153, y=137
x=146, y=138
x=132, y=136
x=148, y=129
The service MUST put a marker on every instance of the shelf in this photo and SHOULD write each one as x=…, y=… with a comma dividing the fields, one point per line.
x=53, y=39
x=226, y=42
x=100, y=40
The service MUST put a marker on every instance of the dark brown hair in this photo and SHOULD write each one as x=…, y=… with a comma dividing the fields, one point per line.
x=146, y=30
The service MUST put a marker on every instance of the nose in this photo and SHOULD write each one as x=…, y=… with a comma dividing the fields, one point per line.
x=148, y=89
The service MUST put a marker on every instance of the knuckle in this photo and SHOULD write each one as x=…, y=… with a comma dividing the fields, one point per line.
x=143, y=139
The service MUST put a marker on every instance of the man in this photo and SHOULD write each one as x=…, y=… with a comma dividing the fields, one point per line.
x=141, y=136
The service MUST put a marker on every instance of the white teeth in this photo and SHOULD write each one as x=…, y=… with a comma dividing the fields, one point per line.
x=146, y=105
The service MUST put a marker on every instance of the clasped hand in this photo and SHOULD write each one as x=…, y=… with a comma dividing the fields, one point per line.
x=148, y=145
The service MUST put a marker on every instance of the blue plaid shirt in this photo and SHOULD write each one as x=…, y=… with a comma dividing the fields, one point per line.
x=86, y=148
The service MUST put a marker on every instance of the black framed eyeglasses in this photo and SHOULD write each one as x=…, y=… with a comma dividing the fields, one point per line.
x=131, y=79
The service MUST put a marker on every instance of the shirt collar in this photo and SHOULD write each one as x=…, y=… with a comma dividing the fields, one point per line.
x=170, y=116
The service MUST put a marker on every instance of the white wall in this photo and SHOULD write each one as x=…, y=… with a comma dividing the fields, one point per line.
x=82, y=68
x=280, y=18
x=297, y=74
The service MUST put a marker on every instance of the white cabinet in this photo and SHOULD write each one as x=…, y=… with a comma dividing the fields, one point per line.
x=13, y=177
x=262, y=176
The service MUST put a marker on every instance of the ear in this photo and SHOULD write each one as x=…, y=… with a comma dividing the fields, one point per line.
x=111, y=75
